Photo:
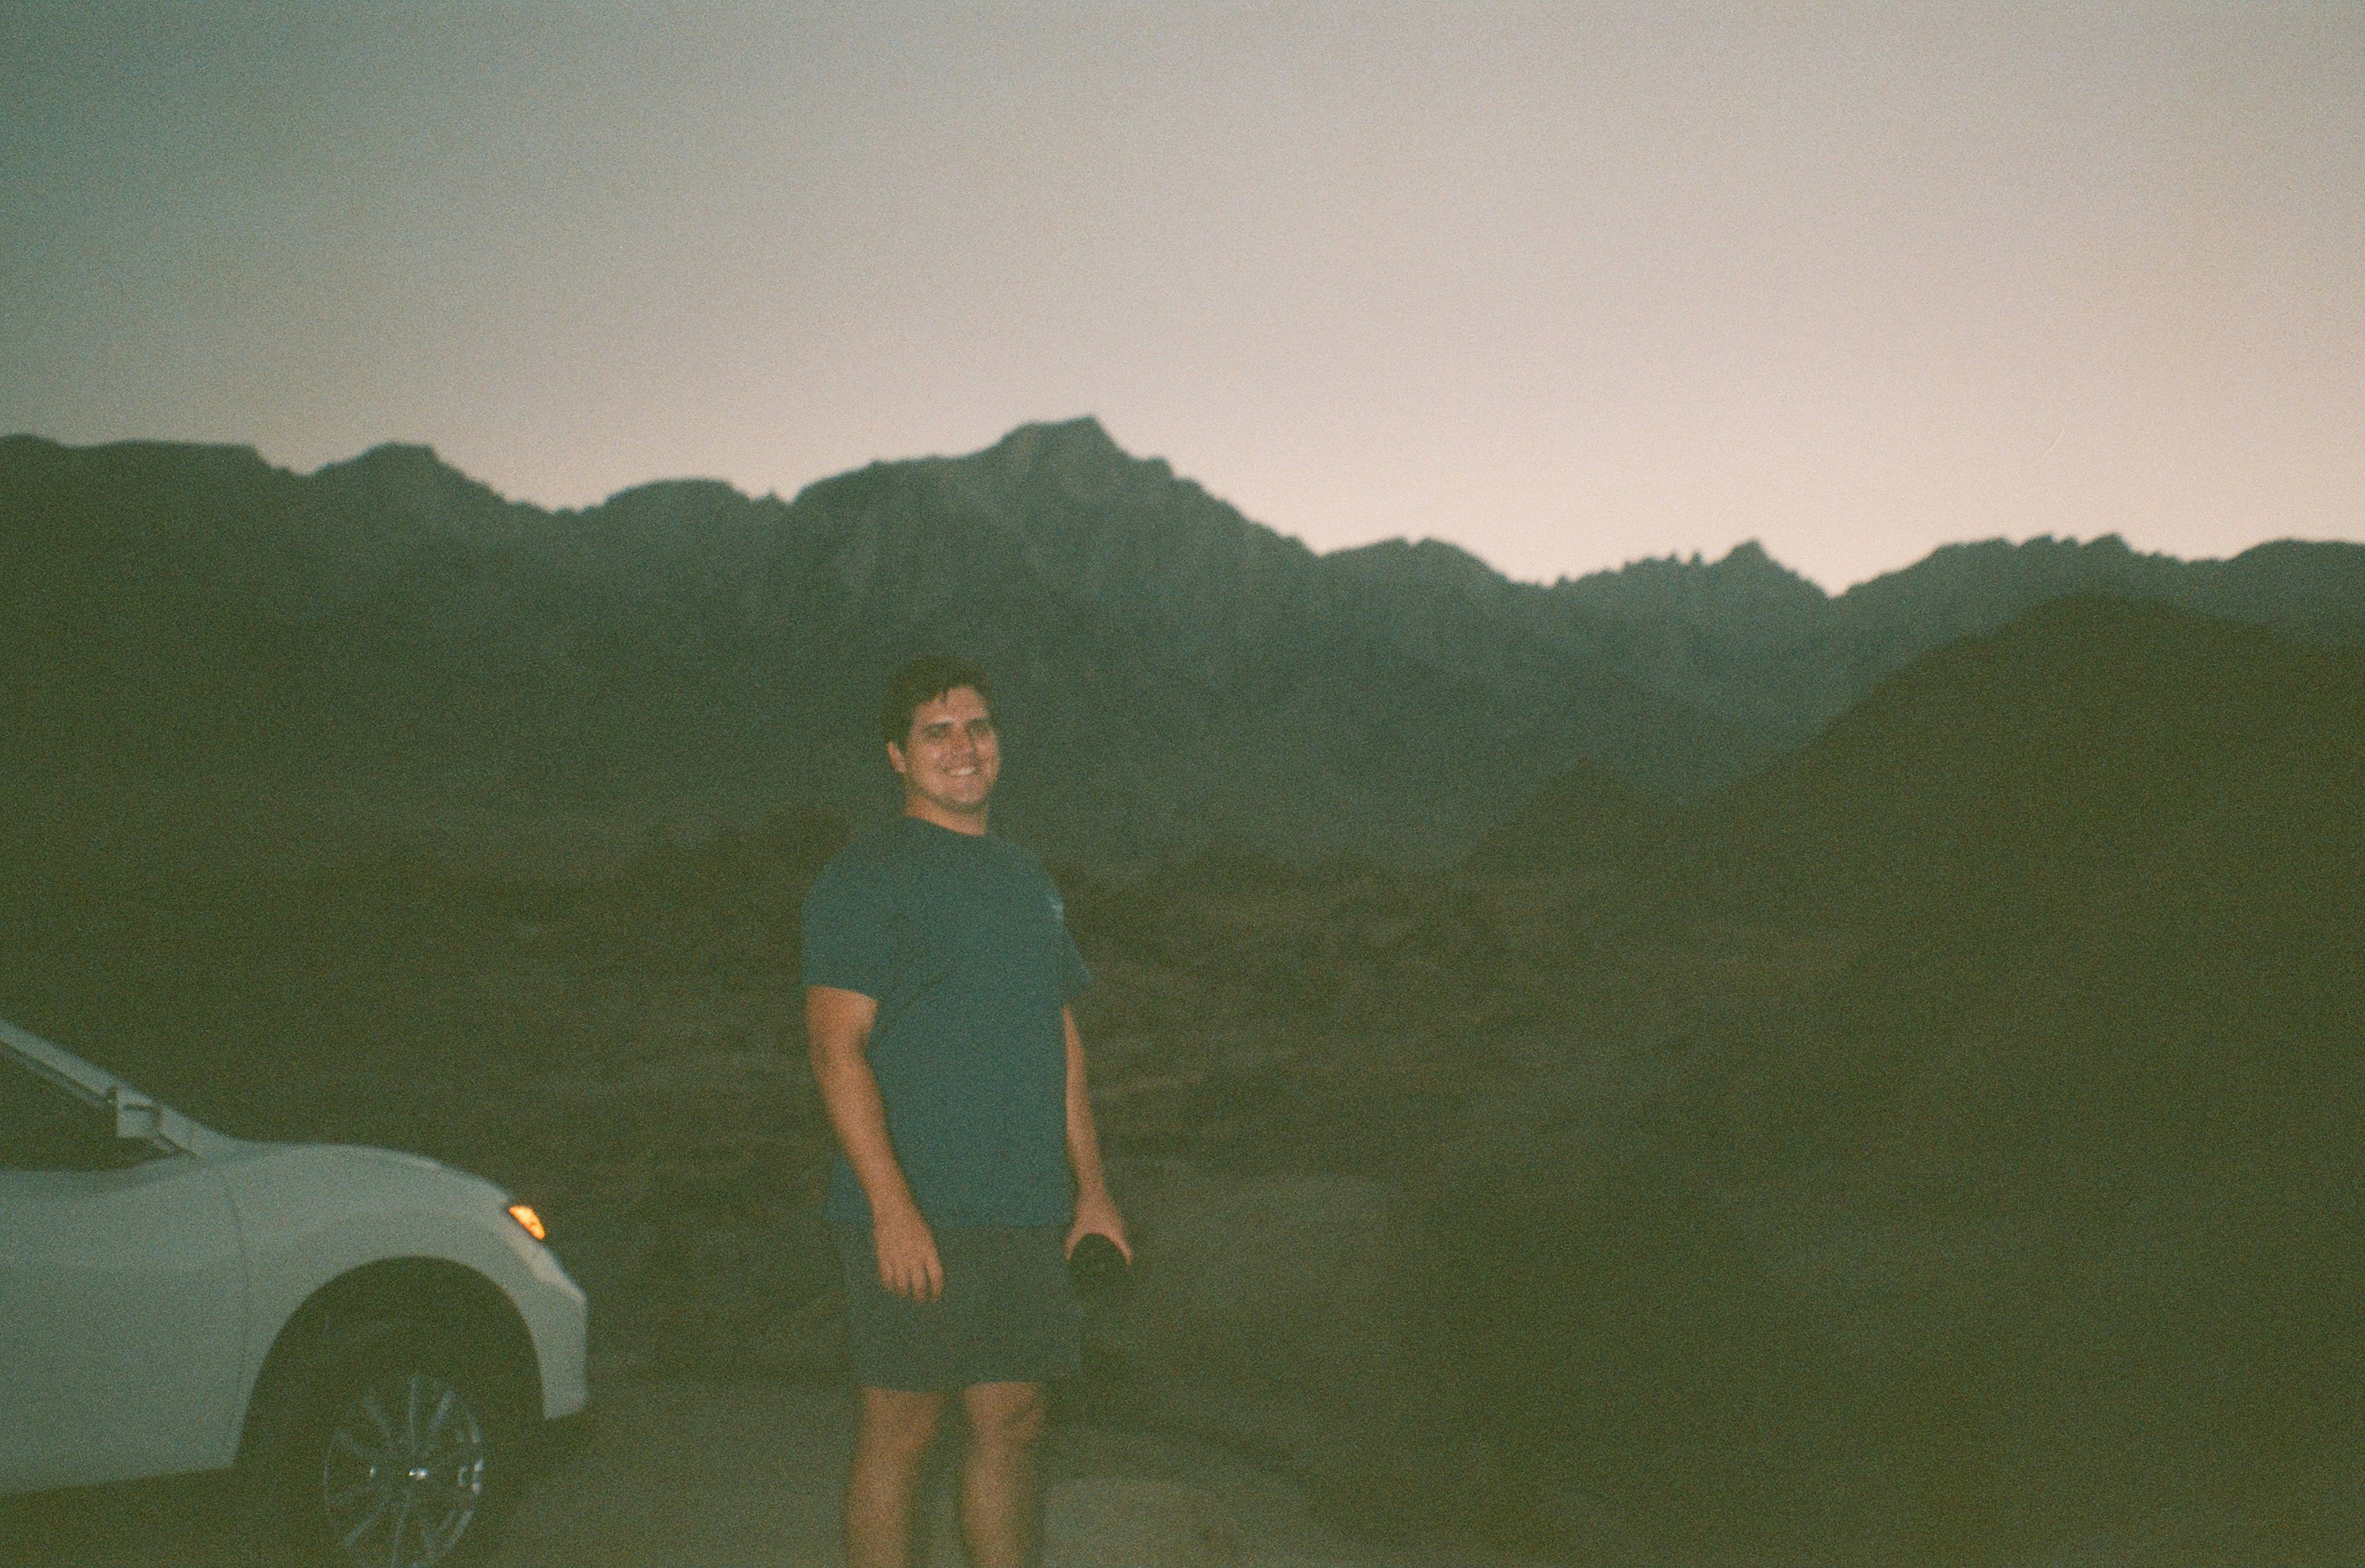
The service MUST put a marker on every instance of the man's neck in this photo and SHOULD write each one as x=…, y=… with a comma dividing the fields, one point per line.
x=927, y=810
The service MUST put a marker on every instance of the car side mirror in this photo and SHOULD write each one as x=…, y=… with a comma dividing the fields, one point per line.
x=134, y=1118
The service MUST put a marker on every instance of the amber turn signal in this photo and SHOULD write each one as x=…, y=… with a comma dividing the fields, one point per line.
x=523, y=1213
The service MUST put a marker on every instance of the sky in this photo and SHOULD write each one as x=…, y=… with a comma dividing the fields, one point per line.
x=1568, y=286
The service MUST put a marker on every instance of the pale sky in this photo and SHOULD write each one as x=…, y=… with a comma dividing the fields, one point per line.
x=1565, y=285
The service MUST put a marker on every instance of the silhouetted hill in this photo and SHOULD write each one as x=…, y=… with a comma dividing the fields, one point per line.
x=2020, y=1218
x=2082, y=742
x=2094, y=749
x=388, y=629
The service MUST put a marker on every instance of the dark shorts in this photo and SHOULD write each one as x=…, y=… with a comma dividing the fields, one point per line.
x=1009, y=1312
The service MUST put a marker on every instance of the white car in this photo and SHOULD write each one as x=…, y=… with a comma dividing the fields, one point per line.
x=366, y=1336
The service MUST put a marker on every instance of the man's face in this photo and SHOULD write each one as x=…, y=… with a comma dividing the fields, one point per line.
x=950, y=756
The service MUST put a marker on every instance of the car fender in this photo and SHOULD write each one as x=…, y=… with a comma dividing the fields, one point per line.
x=313, y=1214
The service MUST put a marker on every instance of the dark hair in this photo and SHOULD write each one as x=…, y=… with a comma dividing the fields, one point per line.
x=917, y=682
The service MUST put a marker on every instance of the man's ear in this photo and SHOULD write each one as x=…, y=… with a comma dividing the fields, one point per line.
x=895, y=759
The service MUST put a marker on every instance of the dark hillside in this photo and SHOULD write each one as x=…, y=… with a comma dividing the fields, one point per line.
x=2096, y=752
x=2036, y=1221
x=1583, y=820
x=388, y=632
x=387, y=636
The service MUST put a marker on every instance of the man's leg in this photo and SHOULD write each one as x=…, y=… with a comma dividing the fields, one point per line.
x=997, y=1479
x=882, y=1489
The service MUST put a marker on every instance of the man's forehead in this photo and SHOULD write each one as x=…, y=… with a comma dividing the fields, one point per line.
x=960, y=703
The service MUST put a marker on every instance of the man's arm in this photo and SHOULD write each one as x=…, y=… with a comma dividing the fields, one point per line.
x=1095, y=1211
x=837, y=1035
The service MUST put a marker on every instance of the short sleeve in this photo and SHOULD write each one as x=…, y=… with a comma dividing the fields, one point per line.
x=846, y=940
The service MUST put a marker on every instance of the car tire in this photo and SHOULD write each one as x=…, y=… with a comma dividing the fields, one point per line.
x=377, y=1445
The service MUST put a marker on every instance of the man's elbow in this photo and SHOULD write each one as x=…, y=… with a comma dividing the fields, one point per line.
x=834, y=1055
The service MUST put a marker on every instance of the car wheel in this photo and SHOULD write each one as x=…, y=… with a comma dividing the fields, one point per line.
x=386, y=1451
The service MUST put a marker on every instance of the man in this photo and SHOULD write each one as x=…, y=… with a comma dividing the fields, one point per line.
x=938, y=972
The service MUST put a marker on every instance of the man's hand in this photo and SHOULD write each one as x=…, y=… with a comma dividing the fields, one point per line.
x=1097, y=1216
x=908, y=1264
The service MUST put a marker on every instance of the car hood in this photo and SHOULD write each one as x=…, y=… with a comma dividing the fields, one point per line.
x=362, y=1167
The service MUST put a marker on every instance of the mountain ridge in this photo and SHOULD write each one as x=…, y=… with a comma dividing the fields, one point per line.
x=1183, y=673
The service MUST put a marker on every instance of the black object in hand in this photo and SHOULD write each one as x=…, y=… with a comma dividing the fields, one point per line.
x=1099, y=1270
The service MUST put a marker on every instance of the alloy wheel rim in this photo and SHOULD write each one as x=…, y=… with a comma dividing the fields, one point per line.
x=403, y=1473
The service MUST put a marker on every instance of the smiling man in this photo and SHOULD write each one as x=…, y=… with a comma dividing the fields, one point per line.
x=938, y=972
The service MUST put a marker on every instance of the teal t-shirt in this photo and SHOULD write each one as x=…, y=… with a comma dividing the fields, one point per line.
x=962, y=941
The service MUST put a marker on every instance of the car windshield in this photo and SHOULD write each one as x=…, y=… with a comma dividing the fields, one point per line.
x=43, y=1125
x=186, y=1083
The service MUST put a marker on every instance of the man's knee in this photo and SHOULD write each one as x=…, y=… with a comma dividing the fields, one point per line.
x=900, y=1423
x=1004, y=1415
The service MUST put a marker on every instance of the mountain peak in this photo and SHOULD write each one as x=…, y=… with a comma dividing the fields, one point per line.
x=1080, y=436
x=1077, y=454
x=391, y=458
x=1747, y=580
x=407, y=480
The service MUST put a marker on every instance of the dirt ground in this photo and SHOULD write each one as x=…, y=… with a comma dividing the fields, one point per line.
x=701, y=1475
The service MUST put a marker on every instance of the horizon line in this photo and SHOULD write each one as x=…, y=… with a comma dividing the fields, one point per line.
x=1698, y=559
